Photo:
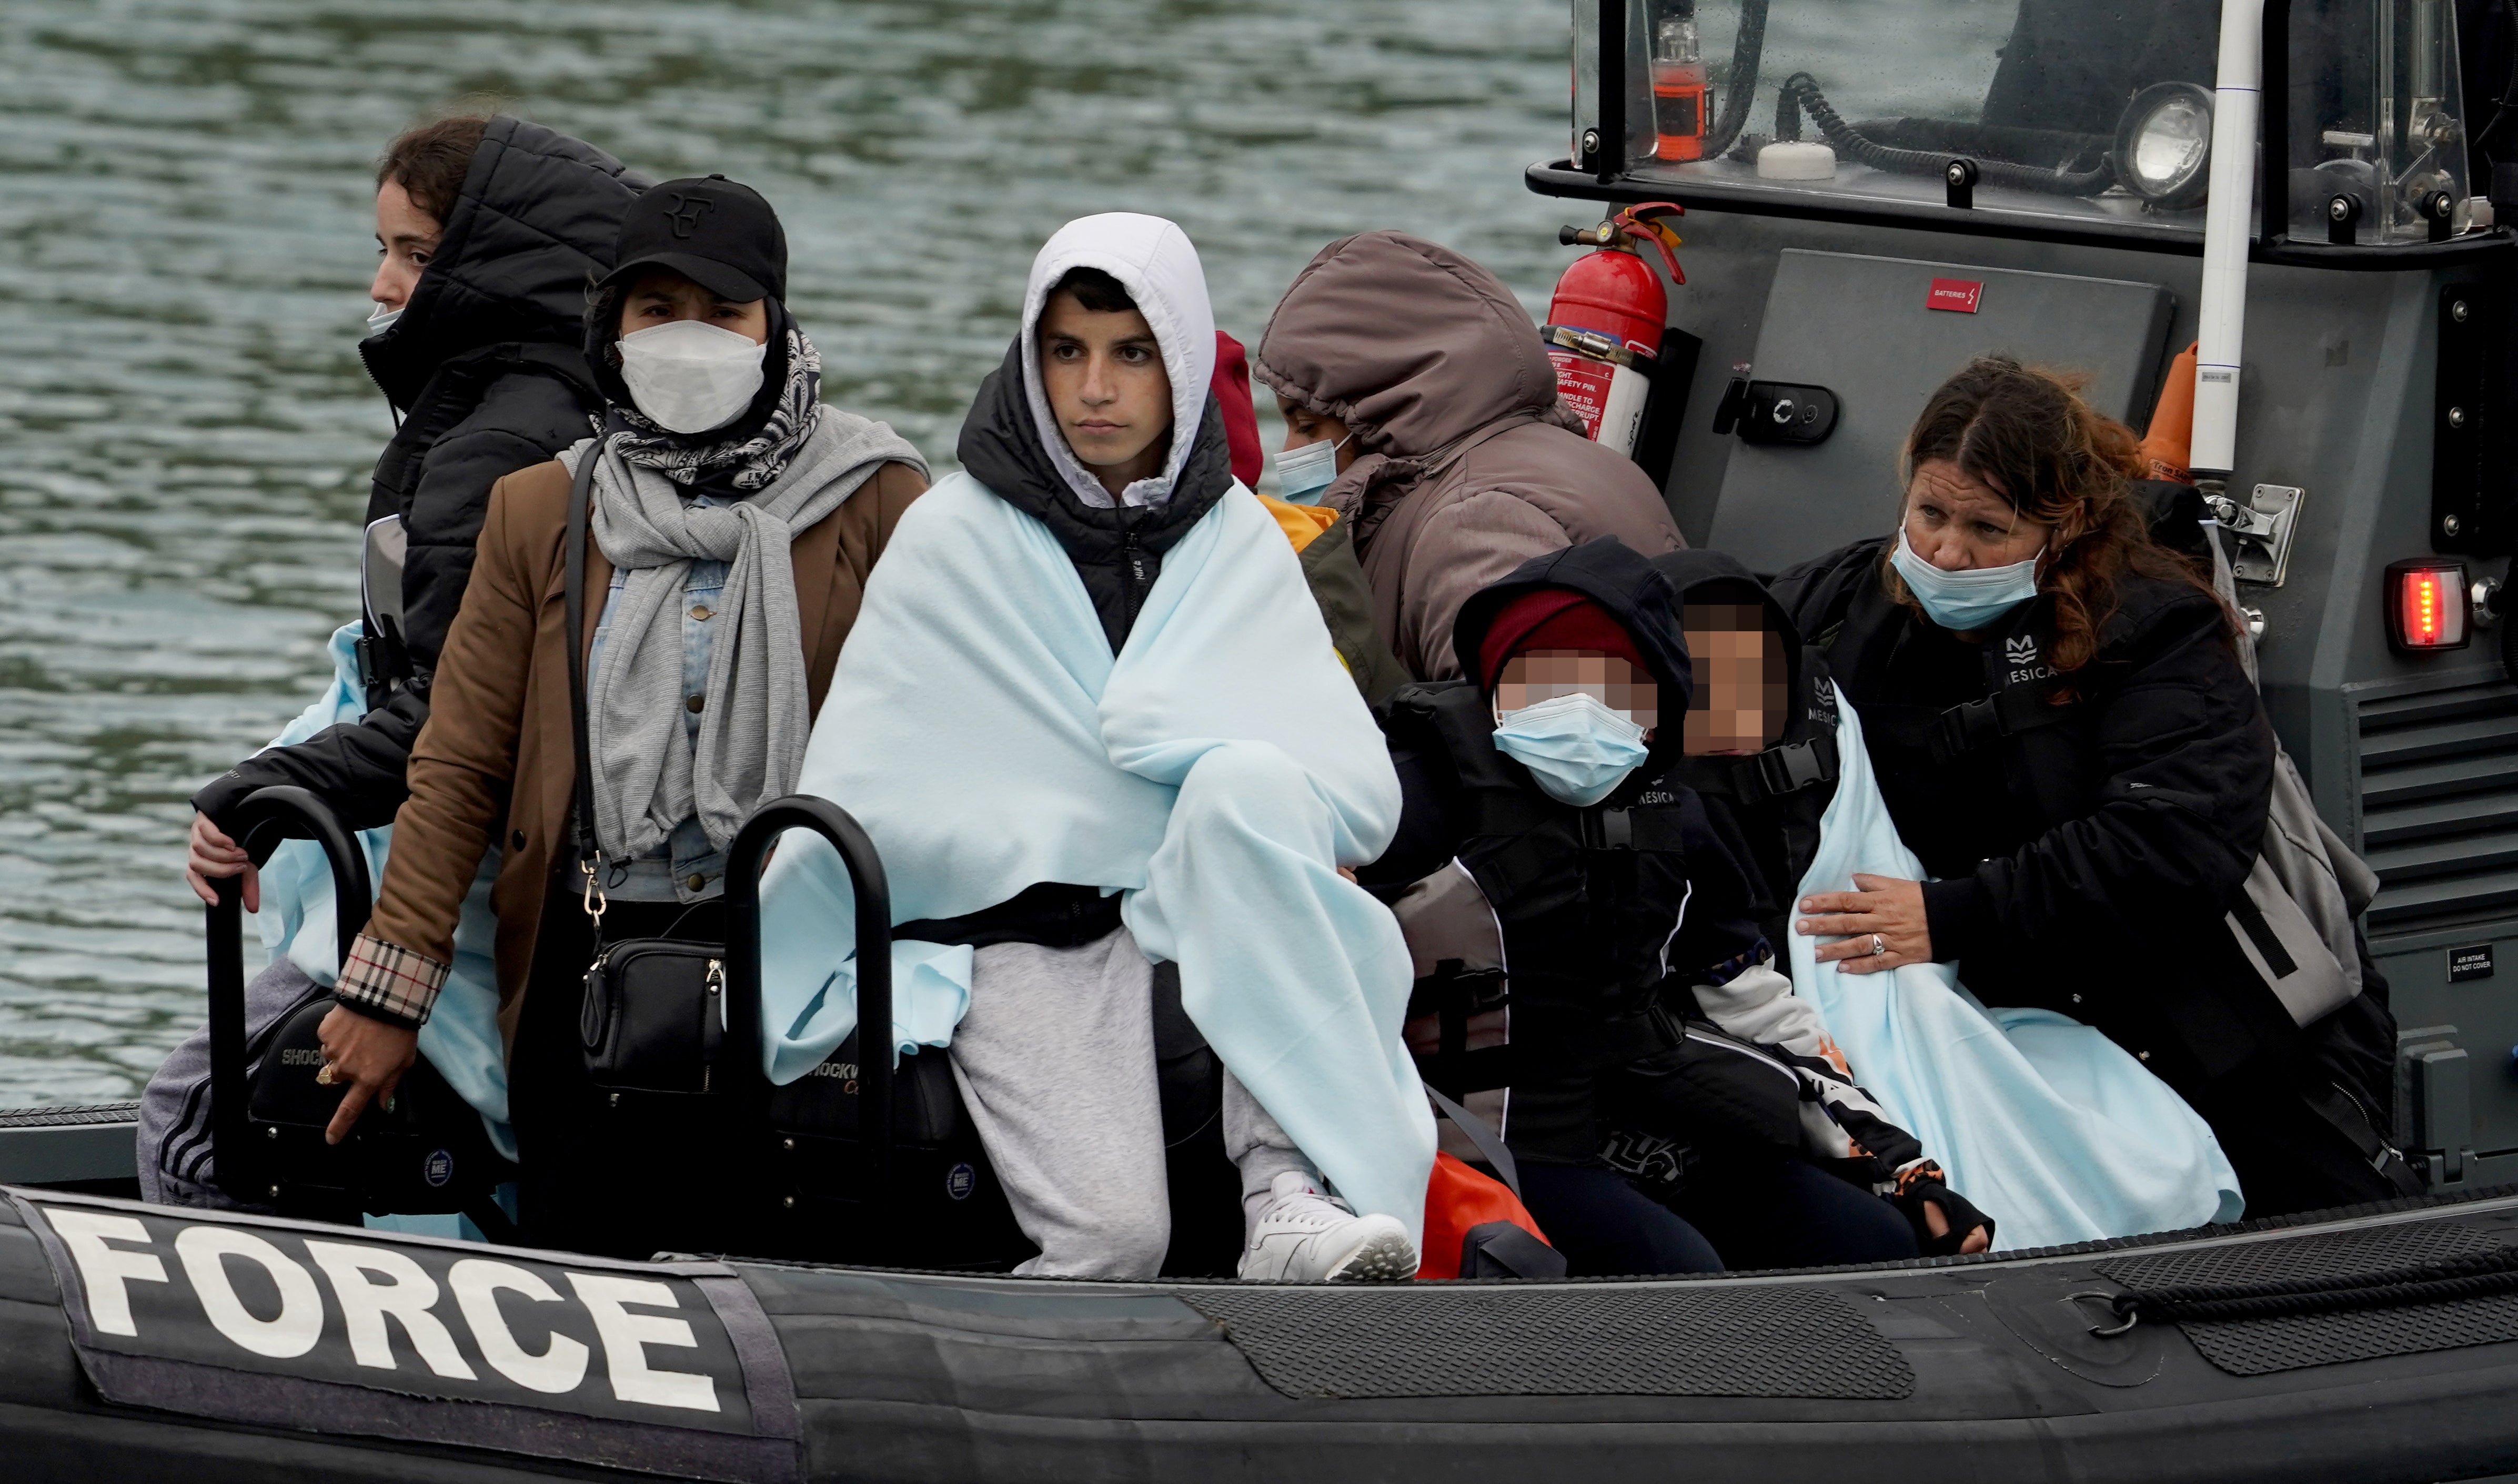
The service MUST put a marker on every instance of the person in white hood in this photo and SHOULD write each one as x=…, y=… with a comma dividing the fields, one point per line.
x=1096, y=723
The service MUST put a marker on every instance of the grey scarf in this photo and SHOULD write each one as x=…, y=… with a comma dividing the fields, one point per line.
x=756, y=717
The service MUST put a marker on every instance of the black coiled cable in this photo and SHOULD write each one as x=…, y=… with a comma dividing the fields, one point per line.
x=1801, y=94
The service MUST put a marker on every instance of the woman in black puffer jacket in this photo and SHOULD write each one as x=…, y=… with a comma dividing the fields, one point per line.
x=2063, y=734
x=492, y=229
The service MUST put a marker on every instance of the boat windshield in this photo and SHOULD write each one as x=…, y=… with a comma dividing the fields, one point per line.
x=2065, y=109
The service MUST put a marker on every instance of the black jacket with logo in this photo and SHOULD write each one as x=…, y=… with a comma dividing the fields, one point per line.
x=485, y=373
x=1765, y=807
x=2087, y=851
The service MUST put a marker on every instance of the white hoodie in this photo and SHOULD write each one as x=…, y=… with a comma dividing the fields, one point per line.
x=1152, y=259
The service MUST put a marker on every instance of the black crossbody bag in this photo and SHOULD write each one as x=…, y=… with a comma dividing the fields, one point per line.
x=653, y=1020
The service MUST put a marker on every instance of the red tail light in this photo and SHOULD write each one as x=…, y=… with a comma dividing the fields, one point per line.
x=2428, y=605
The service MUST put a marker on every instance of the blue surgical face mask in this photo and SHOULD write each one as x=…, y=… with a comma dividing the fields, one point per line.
x=1303, y=473
x=1964, y=601
x=1576, y=746
x=380, y=320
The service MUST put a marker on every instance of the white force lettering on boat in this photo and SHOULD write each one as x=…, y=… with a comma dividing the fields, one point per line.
x=477, y=1281
x=386, y=1309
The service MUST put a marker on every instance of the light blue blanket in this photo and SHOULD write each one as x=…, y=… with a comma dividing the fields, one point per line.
x=1215, y=774
x=461, y=1037
x=2053, y=1129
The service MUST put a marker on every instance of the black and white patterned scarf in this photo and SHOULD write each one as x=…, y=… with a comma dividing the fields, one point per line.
x=750, y=464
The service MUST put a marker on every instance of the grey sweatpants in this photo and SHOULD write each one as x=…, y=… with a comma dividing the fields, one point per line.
x=1056, y=1062
x=175, y=1157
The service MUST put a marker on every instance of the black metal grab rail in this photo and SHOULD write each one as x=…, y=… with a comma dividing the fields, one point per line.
x=266, y=817
x=873, y=895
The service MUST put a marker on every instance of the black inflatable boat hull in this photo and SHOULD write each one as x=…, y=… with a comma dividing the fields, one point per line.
x=124, y=1354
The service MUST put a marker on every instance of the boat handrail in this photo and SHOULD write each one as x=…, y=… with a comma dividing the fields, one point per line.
x=873, y=895
x=267, y=817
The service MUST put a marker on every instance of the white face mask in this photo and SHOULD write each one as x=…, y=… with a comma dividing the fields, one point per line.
x=381, y=319
x=689, y=376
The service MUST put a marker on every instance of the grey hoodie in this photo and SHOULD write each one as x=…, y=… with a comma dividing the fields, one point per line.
x=1470, y=465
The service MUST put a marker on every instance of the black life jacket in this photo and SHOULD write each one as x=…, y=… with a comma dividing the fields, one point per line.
x=1587, y=899
x=2046, y=760
x=1604, y=928
x=1766, y=807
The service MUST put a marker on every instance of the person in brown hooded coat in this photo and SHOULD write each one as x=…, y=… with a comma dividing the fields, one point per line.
x=1458, y=463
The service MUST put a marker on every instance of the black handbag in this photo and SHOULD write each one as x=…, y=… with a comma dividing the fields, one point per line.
x=653, y=1020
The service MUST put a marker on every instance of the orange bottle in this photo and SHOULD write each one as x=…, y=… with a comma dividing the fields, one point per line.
x=1678, y=85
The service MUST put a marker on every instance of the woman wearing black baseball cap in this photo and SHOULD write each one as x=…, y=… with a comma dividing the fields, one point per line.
x=702, y=271
x=734, y=521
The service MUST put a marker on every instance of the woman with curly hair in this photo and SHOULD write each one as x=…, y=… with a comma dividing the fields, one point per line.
x=2063, y=734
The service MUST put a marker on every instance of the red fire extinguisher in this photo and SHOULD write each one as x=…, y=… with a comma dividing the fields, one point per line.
x=1604, y=327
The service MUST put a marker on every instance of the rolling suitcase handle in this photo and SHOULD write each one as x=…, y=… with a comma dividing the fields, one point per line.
x=266, y=817
x=873, y=949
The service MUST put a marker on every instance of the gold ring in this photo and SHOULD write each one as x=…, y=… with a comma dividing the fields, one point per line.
x=326, y=1078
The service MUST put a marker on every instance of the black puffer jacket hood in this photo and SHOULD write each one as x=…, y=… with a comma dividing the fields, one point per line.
x=1640, y=598
x=1714, y=576
x=532, y=228
x=1117, y=551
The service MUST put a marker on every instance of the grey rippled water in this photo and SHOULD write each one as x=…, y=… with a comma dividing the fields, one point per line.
x=185, y=429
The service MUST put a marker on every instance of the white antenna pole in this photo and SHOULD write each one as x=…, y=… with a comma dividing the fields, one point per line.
x=2222, y=334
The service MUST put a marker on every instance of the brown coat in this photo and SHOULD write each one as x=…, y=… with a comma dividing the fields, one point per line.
x=1470, y=465
x=496, y=763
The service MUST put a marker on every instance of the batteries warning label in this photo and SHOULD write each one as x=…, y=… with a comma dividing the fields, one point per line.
x=1957, y=296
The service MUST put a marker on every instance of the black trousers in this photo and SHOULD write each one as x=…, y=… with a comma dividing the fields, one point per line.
x=626, y=1175
x=1753, y=1209
x=1768, y=1210
x=1606, y=1228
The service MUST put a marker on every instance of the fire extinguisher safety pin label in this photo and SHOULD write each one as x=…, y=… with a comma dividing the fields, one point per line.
x=1596, y=346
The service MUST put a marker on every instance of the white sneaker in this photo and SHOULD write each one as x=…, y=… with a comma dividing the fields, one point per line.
x=1306, y=1236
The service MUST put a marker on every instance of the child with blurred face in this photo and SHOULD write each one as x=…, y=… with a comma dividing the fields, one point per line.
x=1740, y=705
